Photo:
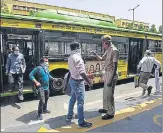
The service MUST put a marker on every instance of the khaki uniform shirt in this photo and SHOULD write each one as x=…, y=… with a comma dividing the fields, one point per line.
x=110, y=56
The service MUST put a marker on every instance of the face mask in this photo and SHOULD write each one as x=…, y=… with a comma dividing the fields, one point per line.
x=78, y=51
x=16, y=52
x=45, y=65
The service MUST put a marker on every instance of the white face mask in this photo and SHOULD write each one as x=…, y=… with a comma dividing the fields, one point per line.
x=45, y=65
x=16, y=52
x=78, y=51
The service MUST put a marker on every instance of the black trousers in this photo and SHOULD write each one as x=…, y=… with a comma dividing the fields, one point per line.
x=43, y=96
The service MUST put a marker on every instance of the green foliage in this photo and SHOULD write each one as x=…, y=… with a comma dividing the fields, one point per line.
x=153, y=29
x=32, y=12
x=160, y=29
x=141, y=27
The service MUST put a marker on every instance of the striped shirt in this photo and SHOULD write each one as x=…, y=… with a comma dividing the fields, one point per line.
x=147, y=63
x=76, y=65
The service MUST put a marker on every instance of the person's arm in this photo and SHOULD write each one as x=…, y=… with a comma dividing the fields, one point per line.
x=156, y=62
x=51, y=77
x=115, y=65
x=32, y=76
x=99, y=57
x=79, y=65
x=8, y=64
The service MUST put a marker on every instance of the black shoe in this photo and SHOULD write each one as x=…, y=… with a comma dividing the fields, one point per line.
x=149, y=90
x=85, y=124
x=107, y=117
x=46, y=112
x=102, y=111
x=40, y=117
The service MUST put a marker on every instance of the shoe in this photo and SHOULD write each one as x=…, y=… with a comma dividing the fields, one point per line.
x=149, y=90
x=21, y=97
x=40, y=117
x=46, y=112
x=68, y=120
x=102, y=111
x=85, y=124
x=107, y=117
x=74, y=116
x=157, y=92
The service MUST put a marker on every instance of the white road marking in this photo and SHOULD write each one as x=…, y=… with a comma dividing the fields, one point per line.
x=35, y=122
x=100, y=101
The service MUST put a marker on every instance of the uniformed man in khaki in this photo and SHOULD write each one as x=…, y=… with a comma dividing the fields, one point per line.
x=110, y=77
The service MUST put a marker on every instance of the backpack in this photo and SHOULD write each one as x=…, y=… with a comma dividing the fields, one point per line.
x=67, y=89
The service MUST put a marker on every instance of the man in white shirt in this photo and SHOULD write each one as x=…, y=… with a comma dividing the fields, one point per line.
x=78, y=75
x=145, y=66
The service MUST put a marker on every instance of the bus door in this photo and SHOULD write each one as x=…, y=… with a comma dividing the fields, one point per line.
x=2, y=64
x=135, y=54
x=29, y=45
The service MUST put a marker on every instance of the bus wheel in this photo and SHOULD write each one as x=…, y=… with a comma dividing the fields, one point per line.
x=57, y=85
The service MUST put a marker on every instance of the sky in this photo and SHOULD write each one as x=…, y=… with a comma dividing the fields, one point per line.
x=149, y=11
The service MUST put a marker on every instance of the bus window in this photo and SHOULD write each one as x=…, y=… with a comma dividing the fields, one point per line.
x=88, y=47
x=67, y=48
x=154, y=46
x=123, y=45
x=53, y=48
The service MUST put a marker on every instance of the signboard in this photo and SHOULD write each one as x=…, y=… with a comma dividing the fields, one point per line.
x=72, y=28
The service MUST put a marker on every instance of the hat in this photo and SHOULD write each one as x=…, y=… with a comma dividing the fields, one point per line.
x=106, y=37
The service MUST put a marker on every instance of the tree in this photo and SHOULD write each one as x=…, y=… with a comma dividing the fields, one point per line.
x=32, y=12
x=153, y=29
x=160, y=29
x=141, y=27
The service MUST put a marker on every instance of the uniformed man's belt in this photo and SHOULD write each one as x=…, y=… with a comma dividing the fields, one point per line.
x=77, y=79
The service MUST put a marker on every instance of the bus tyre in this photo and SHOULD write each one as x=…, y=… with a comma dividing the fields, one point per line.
x=57, y=85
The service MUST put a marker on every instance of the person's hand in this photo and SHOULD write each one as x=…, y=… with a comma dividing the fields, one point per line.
x=109, y=84
x=93, y=53
x=6, y=73
x=38, y=84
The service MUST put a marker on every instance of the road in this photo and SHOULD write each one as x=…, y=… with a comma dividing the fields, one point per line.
x=133, y=112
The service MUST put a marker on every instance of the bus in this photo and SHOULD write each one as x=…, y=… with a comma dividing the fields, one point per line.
x=50, y=33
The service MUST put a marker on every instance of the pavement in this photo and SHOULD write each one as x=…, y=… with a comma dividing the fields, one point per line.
x=133, y=113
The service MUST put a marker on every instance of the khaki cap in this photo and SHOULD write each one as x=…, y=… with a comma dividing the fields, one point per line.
x=106, y=37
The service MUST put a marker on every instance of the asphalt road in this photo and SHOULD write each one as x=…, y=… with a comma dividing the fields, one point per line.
x=132, y=111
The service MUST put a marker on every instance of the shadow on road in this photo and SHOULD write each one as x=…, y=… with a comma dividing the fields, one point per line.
x=26, y=118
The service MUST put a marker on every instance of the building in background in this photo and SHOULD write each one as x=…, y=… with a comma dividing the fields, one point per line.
x=24, y=7
x=124, y=23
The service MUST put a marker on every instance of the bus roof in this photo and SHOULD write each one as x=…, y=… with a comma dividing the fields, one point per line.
x=84, y=20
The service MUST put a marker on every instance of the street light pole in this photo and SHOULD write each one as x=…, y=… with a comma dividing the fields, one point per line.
x=133, y=13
